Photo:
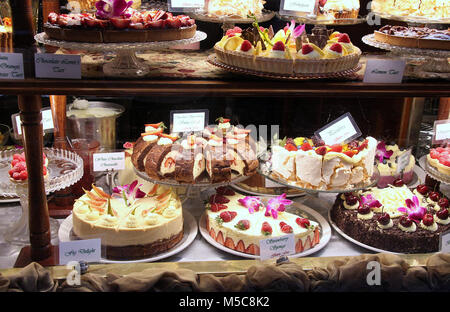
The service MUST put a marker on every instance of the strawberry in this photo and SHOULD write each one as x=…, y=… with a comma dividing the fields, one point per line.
x=266, y=229
x=285, y=228
x=278, y=46
x=290, y=147
x=15, y=176
x=227, y=216
x=344, y=38
x=363, y=145
x=173, y=23
x=158, y=15
x=351, y=153
x=243, y=225
x=137, y=26
x=218, y=199
x=23, y=175
x=14, y=162
x=234, y=31
x=217, y=207
x=120, y=23
x=336, y=47
x=44, y=171
x=306, y=49
x=246, y=45
x=137, y=19
x=190, y=22
x=303, y=222
x=322, y=2
x=53, y=18
x=306, y=146
x=336, y=148
x=223, y=190
x=21, y=166
x=321, y=150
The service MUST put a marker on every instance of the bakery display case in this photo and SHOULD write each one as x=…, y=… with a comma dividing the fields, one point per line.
x=261, y=148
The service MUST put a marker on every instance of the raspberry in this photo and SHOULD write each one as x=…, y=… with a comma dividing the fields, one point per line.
x=246, y=45
x=336, y=47
x=278, y=46
x=306, y=147
x=290, y=147
x=344, y=38
x=306, y=49
x=322, y=150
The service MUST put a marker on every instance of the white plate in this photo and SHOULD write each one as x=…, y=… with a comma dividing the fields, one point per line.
x=325, y=234
x=190, y=232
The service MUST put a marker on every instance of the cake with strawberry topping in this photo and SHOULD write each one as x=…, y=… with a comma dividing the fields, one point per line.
x=116, y=21
x=239, y=222
x=439, y=159
x=395, y=218
x=130, y=223
x=18, y=172
x=310, y=163
x=287, y=52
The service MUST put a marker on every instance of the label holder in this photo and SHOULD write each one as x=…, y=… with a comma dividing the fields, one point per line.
x=440, y=124
x=197, y=128
x=286, y=8
x=331, y=124
x=179, y=6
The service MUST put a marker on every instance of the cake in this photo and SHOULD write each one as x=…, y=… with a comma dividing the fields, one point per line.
x=240, y=222
x=395, y=218
x=88, y=5
x=336, y=10
x=130, y=223
x=6, y=35
x=386, y=161
x=18, y=172
x=414, y=37
x=288, y=52
x=425, y=9
x=439, y=159
x=213, y=155
x=311, y=164
x=234, y=8
x=118, y=22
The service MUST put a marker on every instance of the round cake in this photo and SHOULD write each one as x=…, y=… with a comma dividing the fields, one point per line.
x=233, y=8
x=130, y=223
x=336, y=10
x=394, y=219
x=439, y=158
x=239, y=222
x=424, y=9
x=118, y=22
x=311, y=164
x=18, y=172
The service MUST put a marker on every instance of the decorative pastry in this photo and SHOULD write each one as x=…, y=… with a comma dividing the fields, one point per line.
x=439, y=158
x=116, y=21
x=18, y=172
x=403, y=220
x=130, y=223
x=312, y=164
x=240, y=222
x=338, y=10
x=425, y=9
x=235, y=8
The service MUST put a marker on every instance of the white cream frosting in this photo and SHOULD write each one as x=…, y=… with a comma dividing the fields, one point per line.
x=440, y=221
x=432, y=228
x=313, y=55
x=150, y=138
x=283, y=162
x=409, y=229
x=309, y=167
x=366, y=216
x=385, y=226
x=164, y=141
x=351, y=207
x=341, y=5
x=276, y=54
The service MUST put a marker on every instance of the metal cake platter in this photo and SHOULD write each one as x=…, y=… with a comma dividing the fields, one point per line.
x=412, y=19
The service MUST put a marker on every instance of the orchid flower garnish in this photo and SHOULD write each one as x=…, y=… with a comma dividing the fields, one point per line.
x=250, y=202
x=370, y=200
x=382, y=153
x=129, y=192
x=295, y=31
x=277, y=204
x=413, y=209
x=111, y=8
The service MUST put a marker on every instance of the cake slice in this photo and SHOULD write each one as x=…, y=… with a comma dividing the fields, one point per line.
x=217, y=164
x=283, y=162
x=143, y=145
x=156, y=156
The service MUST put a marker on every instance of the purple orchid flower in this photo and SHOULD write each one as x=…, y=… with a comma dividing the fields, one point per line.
x=382, y=153
x=295, y=31
x=277, y=204
x=250, y=202
x=111, y=8
x=130, y=192
x=413, y=209
x=371, y=201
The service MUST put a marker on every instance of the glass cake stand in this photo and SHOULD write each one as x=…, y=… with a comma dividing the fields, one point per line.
x=64, y=169
x=418, y=20
x=126, y=63
x=312, y=20
x=433, y=172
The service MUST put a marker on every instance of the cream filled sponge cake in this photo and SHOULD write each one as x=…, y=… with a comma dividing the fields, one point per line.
x=239, y=222
x=130, y=223
x=312, y=164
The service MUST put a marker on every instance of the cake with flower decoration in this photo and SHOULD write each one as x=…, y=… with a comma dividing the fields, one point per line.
x=130, y=223
x=240, y=222
x=234, y=8
x=386, y=161
x=116, y=21
x=439, y=159
x=19, y=173
x=310, y=163
x=287, y=52
x=396, y=218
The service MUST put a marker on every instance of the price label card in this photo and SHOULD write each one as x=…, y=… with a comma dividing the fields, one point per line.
x=47, y=121
x=109, y=161
x=276, y=247
x=188, y=120
x=341, y=130
x=384, y=71
x=88, y=250
x=444, y=243
x=441, y=131
x=403, y=160
x=11, y=66
x=61, y=66
x=298, y=6
x=185, y=5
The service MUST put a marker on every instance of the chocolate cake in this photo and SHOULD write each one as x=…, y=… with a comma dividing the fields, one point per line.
x=154, y=159
x=142, y=147
x=218, y=165
x=190, y=164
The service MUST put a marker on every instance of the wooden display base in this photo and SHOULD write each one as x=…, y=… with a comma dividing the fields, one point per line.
x=24, y=258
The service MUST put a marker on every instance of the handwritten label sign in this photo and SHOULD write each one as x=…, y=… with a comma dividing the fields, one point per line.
x=384, y=71
x=302, y=6
x=185, y=5
x=276, y=247
x=47, y=121
x=88, y=250
x=444, y=243
x=341, y=130
x=188, y=120
x=441, y=131
x=403, y=160
x=57, y=66
x=109, y=161
x=11, y=66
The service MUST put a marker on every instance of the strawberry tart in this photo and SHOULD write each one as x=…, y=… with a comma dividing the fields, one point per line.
x=240, y=222
x=116, y=21
x=439, y=159
x=288, y=52
x=18, y=172
x=309, y=163
x=130, y=223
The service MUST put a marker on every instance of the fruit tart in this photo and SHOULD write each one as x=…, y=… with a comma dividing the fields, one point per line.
x=18, y=172
x=439, y=159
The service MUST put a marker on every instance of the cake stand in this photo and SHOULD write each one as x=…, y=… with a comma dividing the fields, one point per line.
x=322, y=23
x=64, y=169
x=435, y=62
x=433, y=172
x=414, y=20
x=126, y=63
